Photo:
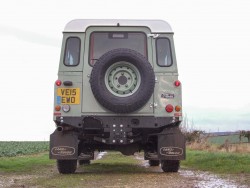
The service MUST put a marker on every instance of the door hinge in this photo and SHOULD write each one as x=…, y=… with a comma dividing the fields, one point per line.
x=153, y=35
x=153, y=105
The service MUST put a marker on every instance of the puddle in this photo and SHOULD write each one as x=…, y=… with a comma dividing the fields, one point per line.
x=100, y=155
x=144, y=163
x=200, y=179
x=207, y=180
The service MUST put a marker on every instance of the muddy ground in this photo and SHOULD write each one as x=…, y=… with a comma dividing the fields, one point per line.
x=143, y=176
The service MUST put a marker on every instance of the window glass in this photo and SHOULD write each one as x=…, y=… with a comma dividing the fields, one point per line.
x=72, y=51
x=163, y=52
x=102, y=42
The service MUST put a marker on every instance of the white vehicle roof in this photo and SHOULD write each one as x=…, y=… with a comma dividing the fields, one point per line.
x=80, y=25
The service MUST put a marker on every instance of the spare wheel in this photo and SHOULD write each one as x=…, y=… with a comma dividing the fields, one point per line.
x=122, y=80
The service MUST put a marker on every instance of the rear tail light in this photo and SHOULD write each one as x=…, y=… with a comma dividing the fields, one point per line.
x=58, y=82
x=177, y=83
x=57, y=108
x=177, y=108
x=169, y=108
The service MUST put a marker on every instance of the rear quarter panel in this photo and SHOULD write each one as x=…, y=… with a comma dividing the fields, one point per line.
x=166, y=93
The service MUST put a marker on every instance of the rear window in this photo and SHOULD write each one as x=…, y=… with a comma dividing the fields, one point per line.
x=163, y=52
x=102, y=42
x=72, y=51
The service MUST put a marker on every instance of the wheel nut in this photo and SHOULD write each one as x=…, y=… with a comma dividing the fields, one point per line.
x=126, y=85
x=118, y=85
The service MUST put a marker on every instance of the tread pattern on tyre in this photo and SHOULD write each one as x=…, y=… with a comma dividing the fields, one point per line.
x=170, y=165
x=122, y=104
x=66, y=166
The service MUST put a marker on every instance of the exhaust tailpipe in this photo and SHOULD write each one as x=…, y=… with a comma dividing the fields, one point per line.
x=59, y=128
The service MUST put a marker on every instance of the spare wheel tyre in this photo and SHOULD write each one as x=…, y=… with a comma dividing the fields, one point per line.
x=122, y=80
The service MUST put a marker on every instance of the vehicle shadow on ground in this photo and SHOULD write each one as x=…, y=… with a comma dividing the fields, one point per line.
x=100, y=168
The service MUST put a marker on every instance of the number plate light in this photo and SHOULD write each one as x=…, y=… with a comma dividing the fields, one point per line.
x=66, y=108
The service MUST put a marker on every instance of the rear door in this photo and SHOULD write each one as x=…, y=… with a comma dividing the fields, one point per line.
x=112, y=38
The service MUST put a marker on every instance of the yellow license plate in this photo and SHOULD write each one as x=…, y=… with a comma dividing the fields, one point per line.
x=68, y=95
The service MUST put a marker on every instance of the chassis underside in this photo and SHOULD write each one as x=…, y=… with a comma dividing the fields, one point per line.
x=79, y=137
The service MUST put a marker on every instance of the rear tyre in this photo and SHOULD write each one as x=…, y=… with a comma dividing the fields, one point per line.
x=84, y=162
x=154, y=162
x=66, y=166
x=170, y=166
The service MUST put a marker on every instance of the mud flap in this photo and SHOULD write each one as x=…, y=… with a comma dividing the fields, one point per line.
x=86, y=156
x=150, y=155
x=63, y=145
x=171, y=144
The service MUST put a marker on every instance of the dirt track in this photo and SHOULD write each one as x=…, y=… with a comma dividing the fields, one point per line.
x=145, y=177
x=191, y=178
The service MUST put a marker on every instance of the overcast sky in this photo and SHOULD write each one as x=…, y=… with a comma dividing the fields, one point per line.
x=212, y=39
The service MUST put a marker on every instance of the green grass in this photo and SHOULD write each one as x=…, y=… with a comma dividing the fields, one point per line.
x=115, y=162
x=11, y=149
x=112, y=169
x=219, y=162
x=24, y=163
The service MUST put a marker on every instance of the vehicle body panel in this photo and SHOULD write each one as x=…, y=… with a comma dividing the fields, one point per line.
x=83, y=125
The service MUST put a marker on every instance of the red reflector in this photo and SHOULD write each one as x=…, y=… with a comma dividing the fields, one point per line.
x=57, y=114
x=58, y=82
x=177, y=114
x=169, y=108
x=177, y=83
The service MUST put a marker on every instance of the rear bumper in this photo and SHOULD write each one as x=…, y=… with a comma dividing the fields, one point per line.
x=119, y=130
x=169, y=144
x=127, y=134
x=95, y=122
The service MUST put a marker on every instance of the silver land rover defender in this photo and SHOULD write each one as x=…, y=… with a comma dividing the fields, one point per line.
x=117, y=89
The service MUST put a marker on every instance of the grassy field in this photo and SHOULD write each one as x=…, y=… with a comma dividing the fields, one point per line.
x=24, y=163
x=219, y=162
x=38, y=169
x=11, y=149
x=114, y=170
x=111, y=167
x=215, y=161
